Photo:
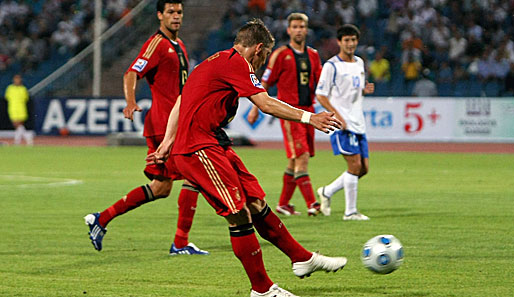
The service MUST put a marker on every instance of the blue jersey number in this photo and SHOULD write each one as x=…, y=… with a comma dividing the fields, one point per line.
x=356, y=81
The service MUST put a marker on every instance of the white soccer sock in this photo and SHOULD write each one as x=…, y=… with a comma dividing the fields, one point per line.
x=18, y=134
x=350, y=191
x=335, y=186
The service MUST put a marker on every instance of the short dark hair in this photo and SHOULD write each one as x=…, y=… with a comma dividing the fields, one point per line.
x=348, y=30
x=254, y=32
x=162, y=3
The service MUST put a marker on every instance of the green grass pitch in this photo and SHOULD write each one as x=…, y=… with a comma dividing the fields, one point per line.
x=453, y=213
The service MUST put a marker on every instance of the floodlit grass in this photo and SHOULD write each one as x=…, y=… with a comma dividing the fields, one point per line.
x=454, y=214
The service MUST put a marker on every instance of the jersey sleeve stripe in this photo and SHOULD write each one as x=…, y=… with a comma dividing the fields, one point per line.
x=152, y=46
x=274, y=56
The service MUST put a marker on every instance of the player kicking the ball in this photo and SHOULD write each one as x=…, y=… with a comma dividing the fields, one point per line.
x=340, y=90
x=202, y=153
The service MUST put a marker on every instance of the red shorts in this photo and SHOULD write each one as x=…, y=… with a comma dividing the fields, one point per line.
x=168, y=169
x=221, y=177
x=298, y=138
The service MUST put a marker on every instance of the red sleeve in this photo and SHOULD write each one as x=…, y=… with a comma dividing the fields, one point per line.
x=240, y=75
x=274, y=68
x=317, y=67
x=148, y=57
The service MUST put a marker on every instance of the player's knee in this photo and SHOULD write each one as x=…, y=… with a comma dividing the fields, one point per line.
x=161, y=189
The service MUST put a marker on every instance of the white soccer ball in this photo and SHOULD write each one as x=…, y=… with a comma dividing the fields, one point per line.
x=382, y=254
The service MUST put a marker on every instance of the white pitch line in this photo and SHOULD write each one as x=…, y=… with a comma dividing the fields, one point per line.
x=40, y=181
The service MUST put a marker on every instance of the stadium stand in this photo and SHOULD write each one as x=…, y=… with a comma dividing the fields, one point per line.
x=466, y=44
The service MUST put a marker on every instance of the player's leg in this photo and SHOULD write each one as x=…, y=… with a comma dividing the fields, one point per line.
x=303, y=181
x=97, y=222
x=214, y=172
x=18, y=131
x=271, y=228
x=351, y=181
x=187, y=201
x=288, y=186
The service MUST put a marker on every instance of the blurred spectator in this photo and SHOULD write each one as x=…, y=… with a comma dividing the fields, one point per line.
x=411, y=69
x=444, y=79
x=458, y=46
x=379, y=69
x=64, y=39
x=425, y=87
x=346, y=12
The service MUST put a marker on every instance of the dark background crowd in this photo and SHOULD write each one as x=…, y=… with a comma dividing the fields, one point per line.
x=411, y=47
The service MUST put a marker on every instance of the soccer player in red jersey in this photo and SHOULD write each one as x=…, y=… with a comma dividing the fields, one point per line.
x=295, y=69
x=163, y=62
x=202, y=153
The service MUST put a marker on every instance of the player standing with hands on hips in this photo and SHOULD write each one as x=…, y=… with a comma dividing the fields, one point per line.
x=341, y=90
x=295, y=69
x=163, y=61
x=202, y=152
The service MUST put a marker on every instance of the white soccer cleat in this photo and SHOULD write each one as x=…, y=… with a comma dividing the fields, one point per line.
x=318, y=262
x=274, y=291
x=356, y=216
x=325, y=201
x=287, y=210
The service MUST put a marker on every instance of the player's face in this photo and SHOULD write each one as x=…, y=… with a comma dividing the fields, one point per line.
x=348, y=44
x=171, y=17
x=297, y=31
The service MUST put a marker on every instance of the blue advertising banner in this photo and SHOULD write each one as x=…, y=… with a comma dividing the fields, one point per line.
x=86, y=116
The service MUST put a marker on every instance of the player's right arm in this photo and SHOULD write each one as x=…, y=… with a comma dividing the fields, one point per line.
x=253, y=115
x=323, y=121
x=162, y=153
x=129, y=89
x=147, y=59
x=269, y=78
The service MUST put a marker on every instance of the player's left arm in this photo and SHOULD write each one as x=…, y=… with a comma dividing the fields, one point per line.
x=162, y=153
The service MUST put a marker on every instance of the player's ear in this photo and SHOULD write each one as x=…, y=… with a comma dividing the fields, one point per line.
x=159, y=15
x=259, y=47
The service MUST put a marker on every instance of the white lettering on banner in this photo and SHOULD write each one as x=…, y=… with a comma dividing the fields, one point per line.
x=79, y=106
x=97, y=115
x=116, y=115
x=54, y=116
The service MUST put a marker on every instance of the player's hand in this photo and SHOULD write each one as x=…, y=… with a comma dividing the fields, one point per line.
x=160, y=156
x=129, y=110
x=325, y=122
x=369, y=88
x=253, y=115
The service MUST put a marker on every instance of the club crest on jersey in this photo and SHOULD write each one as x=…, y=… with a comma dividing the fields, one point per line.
x=140, y=65
x=255, y=81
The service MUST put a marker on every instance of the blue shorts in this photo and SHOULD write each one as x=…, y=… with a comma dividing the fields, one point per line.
x=349, y=143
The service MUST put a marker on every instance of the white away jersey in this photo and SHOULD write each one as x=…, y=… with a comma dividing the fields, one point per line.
x=342, y=83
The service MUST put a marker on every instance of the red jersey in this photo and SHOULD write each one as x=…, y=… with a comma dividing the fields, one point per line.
x=164, y=64
x=210, y=100
x=295, y=74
